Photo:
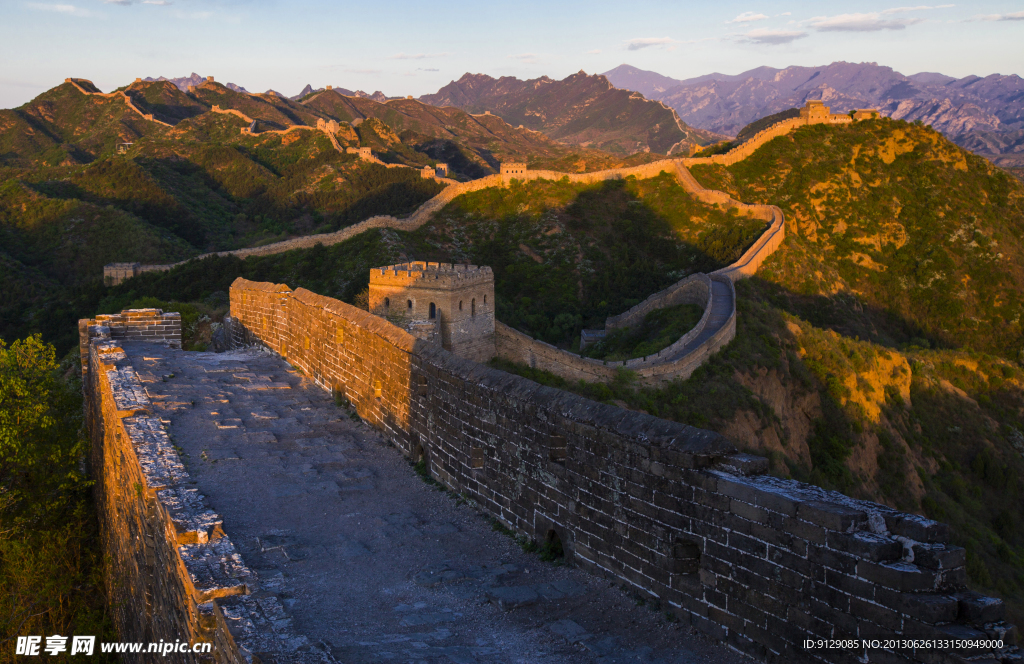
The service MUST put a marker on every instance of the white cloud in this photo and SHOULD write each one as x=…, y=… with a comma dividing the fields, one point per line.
x=646, y=42
x=899, y=10
x=123, y=3
x=868, y=22
x=772, y=37
x=595, y=51
x=747, y=17
x=71, y=10
x=158, y=3
x=526, y=58
x=416, y=56
x=886, y=19
x=1015, y=16
x=422, y=69
x=785, y=14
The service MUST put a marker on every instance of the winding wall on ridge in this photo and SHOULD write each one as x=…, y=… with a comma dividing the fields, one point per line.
x=716, y=328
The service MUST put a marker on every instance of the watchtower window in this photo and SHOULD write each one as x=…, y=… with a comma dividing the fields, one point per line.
x=472, y=307
x=485, y=299
x=460, y=305
x=387, y=302
x=408, y=305
x=433, y=311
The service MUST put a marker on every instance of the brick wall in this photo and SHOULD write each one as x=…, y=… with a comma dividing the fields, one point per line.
x=172, y=572
x=674, y=511
x=134, y=324
x=694, y=289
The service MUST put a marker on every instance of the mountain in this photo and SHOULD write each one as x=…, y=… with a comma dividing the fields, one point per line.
x=984, y=113
x=581, y=110
x=876, y=351
x=195, y=79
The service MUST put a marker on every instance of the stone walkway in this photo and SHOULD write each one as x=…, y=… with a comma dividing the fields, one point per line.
x=722, y=306
x=368, y=558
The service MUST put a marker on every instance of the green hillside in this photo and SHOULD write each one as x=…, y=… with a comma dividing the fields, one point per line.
x=878, y=351
x=924, y=235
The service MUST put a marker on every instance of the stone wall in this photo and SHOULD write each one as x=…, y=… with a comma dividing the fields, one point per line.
x=117, y=93
x=134, y=325
x=172, y=572
x=670, y=510
x=694, y=289
x=459, y=298
x=655, y=370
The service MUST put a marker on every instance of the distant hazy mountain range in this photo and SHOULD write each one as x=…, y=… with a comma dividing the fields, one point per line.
x=195, y=79
x=984, y=115
x=585, y=110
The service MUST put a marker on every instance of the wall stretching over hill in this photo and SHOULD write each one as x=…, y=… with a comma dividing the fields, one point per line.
x=426, y=211
x=673, y=511
x=172, y=572
x=119, y=93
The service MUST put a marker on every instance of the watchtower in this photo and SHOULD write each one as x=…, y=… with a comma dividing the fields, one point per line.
x=456, y=301
x=512, y=168
x=815, y=112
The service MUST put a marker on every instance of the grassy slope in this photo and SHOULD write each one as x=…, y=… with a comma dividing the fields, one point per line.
x=566, y=256
x=925, y=235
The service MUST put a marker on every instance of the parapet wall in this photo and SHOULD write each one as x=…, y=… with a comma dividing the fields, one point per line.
x=431, y=275
x=694, y=289
x=761, y=563
x=117, y=93
x=173, y=574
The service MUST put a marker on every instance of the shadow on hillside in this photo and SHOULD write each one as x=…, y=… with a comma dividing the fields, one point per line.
x=569, y=267
x=850, y=316
x=455, y=155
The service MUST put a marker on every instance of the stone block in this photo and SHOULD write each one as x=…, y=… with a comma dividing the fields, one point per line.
x=898, y=576
x=978, y=609
x=832, y=516
x=917, y=528
x=938, y=556
x=866, y=545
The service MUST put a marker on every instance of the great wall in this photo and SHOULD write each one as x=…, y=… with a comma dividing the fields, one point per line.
x=764, y=565
x=678, y=361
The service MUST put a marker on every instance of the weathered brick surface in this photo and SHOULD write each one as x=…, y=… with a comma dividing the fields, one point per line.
x=760, y=562
x=171, y=566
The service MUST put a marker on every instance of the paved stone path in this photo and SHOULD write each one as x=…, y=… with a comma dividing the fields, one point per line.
x=722, y=306
x=367, y=557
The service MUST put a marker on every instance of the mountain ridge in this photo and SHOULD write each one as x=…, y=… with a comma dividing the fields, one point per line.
x=963, y=109
x=582, y=109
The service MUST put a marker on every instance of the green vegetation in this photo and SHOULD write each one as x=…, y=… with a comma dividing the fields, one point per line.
x=50, y=565
x=566, y=256
x=927, y=235
x=751, y=129
x=659, y=329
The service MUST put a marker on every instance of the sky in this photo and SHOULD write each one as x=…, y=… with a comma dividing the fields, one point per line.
x=415, y=48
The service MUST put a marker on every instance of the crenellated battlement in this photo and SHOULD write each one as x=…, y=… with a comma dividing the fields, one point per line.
x=431, y=275
x=456, y=300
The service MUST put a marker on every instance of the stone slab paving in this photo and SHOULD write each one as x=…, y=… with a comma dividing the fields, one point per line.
x=722, y=307
x=367, y=557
